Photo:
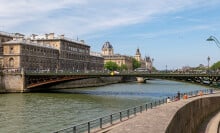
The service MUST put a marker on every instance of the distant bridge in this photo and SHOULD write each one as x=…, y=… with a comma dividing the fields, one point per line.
x=35, y=80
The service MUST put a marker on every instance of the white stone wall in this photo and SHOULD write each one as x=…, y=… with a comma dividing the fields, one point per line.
x=12, y=83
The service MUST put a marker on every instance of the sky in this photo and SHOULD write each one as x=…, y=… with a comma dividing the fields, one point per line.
x=172, y=32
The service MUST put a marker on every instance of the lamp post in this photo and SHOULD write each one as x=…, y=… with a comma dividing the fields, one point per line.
x=212, y=38
x=166, y=68
x=208, y=59
x=152, y=60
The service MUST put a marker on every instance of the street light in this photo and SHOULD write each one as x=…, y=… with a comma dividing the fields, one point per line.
x=208, y=59
x=212, y=38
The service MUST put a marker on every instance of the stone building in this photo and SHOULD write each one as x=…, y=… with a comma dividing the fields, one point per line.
x=107, y=49
x=23, y=54
x=49, y=53
x=149, y=63
x=108, y=54
x=139, y=58
x=4, y=37
x=73, y=55
x=96, y=62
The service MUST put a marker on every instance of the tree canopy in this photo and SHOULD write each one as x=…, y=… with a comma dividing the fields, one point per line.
x=112, y=66
x=135, y=63
x=123, y=67
x=215, y=66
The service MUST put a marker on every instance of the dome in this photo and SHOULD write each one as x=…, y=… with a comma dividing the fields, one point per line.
x=107, y=45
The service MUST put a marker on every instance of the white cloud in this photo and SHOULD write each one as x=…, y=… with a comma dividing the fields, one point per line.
x=173, y=31
x=14, y=13
x=82, y=17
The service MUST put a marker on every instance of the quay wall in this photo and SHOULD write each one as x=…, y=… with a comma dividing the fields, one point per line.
x=190, y=117
x=91, y=82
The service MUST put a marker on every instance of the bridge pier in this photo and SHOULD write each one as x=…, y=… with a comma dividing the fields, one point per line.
x=141, y=79
x=12, y=82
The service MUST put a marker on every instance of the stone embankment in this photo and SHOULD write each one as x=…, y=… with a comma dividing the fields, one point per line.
x=183, y=116
x=91, y=82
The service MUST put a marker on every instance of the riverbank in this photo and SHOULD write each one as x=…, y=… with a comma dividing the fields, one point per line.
x=179, y=116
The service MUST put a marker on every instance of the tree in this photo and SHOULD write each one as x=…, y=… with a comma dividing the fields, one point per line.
x=215, y=66
x=154, y=69
x=123, y=67
x=135, y=63
x=112, y=66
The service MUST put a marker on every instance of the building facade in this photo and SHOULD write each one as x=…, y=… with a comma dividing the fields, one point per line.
x=149, y=63
x=73, y=55
x=96, y=62
x=139, y=58
x=4, y=37
x=29, y=56
x=49, y=53
x=107, y=49
x=108, y=54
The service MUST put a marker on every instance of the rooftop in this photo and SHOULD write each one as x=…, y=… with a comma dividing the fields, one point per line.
x=107, y=45
x=52, y=36
x=28, y=42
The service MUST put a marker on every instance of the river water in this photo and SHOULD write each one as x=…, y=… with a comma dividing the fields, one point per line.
x=50, y=111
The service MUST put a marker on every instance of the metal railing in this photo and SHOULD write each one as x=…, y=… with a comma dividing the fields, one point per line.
x=108, y=120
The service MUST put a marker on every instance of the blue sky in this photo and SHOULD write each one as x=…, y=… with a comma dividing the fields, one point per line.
x=173, y=32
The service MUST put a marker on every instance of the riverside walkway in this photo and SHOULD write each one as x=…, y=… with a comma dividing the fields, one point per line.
x=154, y=120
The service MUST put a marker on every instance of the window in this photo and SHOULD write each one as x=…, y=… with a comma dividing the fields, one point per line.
x=11, y=62
x=11, y=50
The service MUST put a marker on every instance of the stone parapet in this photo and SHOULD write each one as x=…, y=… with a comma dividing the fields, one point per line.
x=190, y=116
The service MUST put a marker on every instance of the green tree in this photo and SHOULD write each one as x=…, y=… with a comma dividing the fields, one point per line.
x=215, y=66
x=154, y=69
x=112, y=66
x=135, y=63
x=123, y=67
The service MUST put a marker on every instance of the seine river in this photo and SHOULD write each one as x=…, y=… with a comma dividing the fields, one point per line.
x=51, y=111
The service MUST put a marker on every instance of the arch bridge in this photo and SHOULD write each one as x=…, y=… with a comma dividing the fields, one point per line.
x=35, y=80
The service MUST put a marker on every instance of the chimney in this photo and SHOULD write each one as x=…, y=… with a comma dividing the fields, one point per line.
x=33, y=36
x=28, y=40
x=51, y=36
x=82, y=41
x=18, y=36
x=46, y=36
x=62, y=36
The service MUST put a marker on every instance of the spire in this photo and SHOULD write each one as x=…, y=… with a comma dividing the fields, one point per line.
x=138, y=52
